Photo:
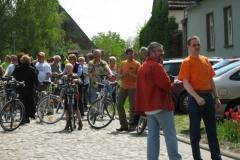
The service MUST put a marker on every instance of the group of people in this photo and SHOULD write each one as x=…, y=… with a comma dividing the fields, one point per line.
x=147, y=86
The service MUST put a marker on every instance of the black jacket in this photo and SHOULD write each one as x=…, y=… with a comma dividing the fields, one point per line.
x=27, y=74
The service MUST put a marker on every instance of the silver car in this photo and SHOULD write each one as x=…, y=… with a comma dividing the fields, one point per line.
x=227, y=81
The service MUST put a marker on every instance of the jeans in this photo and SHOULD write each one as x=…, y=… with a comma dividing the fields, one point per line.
x=93, y=93
x=207, y=112
x=166, y=121
x=84, y=98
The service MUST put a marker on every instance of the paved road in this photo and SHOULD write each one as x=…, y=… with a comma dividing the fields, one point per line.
x=42, y=141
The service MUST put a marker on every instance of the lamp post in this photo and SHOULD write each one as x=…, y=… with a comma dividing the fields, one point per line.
x=13, y=36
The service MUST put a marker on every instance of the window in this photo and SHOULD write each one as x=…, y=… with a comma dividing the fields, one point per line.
x=210, y=31
x=228, y=26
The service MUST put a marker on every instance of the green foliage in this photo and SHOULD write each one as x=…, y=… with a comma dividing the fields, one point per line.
x=182, y=129
x=229, y=128
x=37, y=24
x=111, y=43
x=69, y=45
x=159, y=28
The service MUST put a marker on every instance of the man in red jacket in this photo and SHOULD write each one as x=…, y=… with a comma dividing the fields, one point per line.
x=153, y=99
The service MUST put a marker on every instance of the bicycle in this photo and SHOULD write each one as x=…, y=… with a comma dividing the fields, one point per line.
x=50, y=108
x=102, y=111
x=68, y=88
x=13, y=111
x=3, y=94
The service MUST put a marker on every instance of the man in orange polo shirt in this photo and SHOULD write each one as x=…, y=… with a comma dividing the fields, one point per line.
x=197, y=75
x=128, y=73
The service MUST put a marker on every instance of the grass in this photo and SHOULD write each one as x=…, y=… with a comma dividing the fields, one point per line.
x=182, y=129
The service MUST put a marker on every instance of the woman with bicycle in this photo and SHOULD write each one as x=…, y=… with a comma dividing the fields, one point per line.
x=75, y=79
x=26, y=73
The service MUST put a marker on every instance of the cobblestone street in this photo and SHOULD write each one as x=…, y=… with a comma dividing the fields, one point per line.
x=42, y=141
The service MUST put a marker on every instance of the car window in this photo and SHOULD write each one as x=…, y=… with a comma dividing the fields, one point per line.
x=172, y=68
x=236, y=76
x=222, y=64
x=227, y=68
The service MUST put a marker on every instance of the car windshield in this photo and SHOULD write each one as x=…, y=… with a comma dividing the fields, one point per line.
x=227, y=68
x=221, y=64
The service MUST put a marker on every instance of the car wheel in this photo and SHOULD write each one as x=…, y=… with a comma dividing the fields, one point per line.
x=183, y=102
x=235, y=106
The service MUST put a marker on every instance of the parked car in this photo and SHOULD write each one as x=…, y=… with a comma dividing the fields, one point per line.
x=172, y=67
x=224, y=63
x=214, y=60
x=227, y=81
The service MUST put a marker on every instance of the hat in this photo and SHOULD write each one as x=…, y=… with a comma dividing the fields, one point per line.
x=41, y=54
x=61, y=55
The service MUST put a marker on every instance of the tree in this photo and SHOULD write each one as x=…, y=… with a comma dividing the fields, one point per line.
x=69, y=45
x=37, y=24
x=111, y=43
x=159, y=28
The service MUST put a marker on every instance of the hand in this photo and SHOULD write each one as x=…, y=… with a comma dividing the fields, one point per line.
x=126, y=73
x=200, y=101
x=218, y=103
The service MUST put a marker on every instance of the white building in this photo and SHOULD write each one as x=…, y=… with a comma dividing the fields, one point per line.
x=217, y=24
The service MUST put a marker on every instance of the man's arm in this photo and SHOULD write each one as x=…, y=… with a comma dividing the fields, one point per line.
x=216, y=96
x=191, y=91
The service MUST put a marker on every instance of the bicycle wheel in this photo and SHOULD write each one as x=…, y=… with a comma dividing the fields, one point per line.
x=11, y=116
x=142, y=123
x=71, y=116
x=100, y=114
x=50, y=109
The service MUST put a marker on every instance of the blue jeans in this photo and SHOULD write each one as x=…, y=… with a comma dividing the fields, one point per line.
x=93, y=93
x=207, y=112
x=166, y=121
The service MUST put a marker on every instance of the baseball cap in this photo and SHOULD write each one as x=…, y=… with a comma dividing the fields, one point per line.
x=41, y=54
x=61, y=55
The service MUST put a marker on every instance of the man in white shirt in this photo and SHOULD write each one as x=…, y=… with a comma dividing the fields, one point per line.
x=44, y=70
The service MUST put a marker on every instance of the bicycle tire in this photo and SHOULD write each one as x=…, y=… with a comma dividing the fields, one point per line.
x=100, y=119
x=12, y=116
x=50, y=109
x=71, y=116
x=142, y=123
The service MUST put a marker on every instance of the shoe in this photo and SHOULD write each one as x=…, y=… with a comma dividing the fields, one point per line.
x=67, y=125
x=122, y=129
x=131, y=128
x=80, y=125
x=50, y=113
x=27, y=121
x=135, y=120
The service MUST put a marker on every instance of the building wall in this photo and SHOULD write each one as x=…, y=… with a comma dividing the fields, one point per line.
x=196, y=25
x=178, y=14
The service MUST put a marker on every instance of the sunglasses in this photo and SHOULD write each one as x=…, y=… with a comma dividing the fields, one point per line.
x=196, y=45
x=15, y=59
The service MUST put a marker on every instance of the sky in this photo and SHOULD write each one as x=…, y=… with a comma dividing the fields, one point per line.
x=121, y=16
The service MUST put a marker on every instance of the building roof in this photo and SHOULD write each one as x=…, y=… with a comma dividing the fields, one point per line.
x=179, y=4
x=176, y=4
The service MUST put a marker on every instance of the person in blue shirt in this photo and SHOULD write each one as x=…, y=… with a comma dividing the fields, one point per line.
x=81, y=61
